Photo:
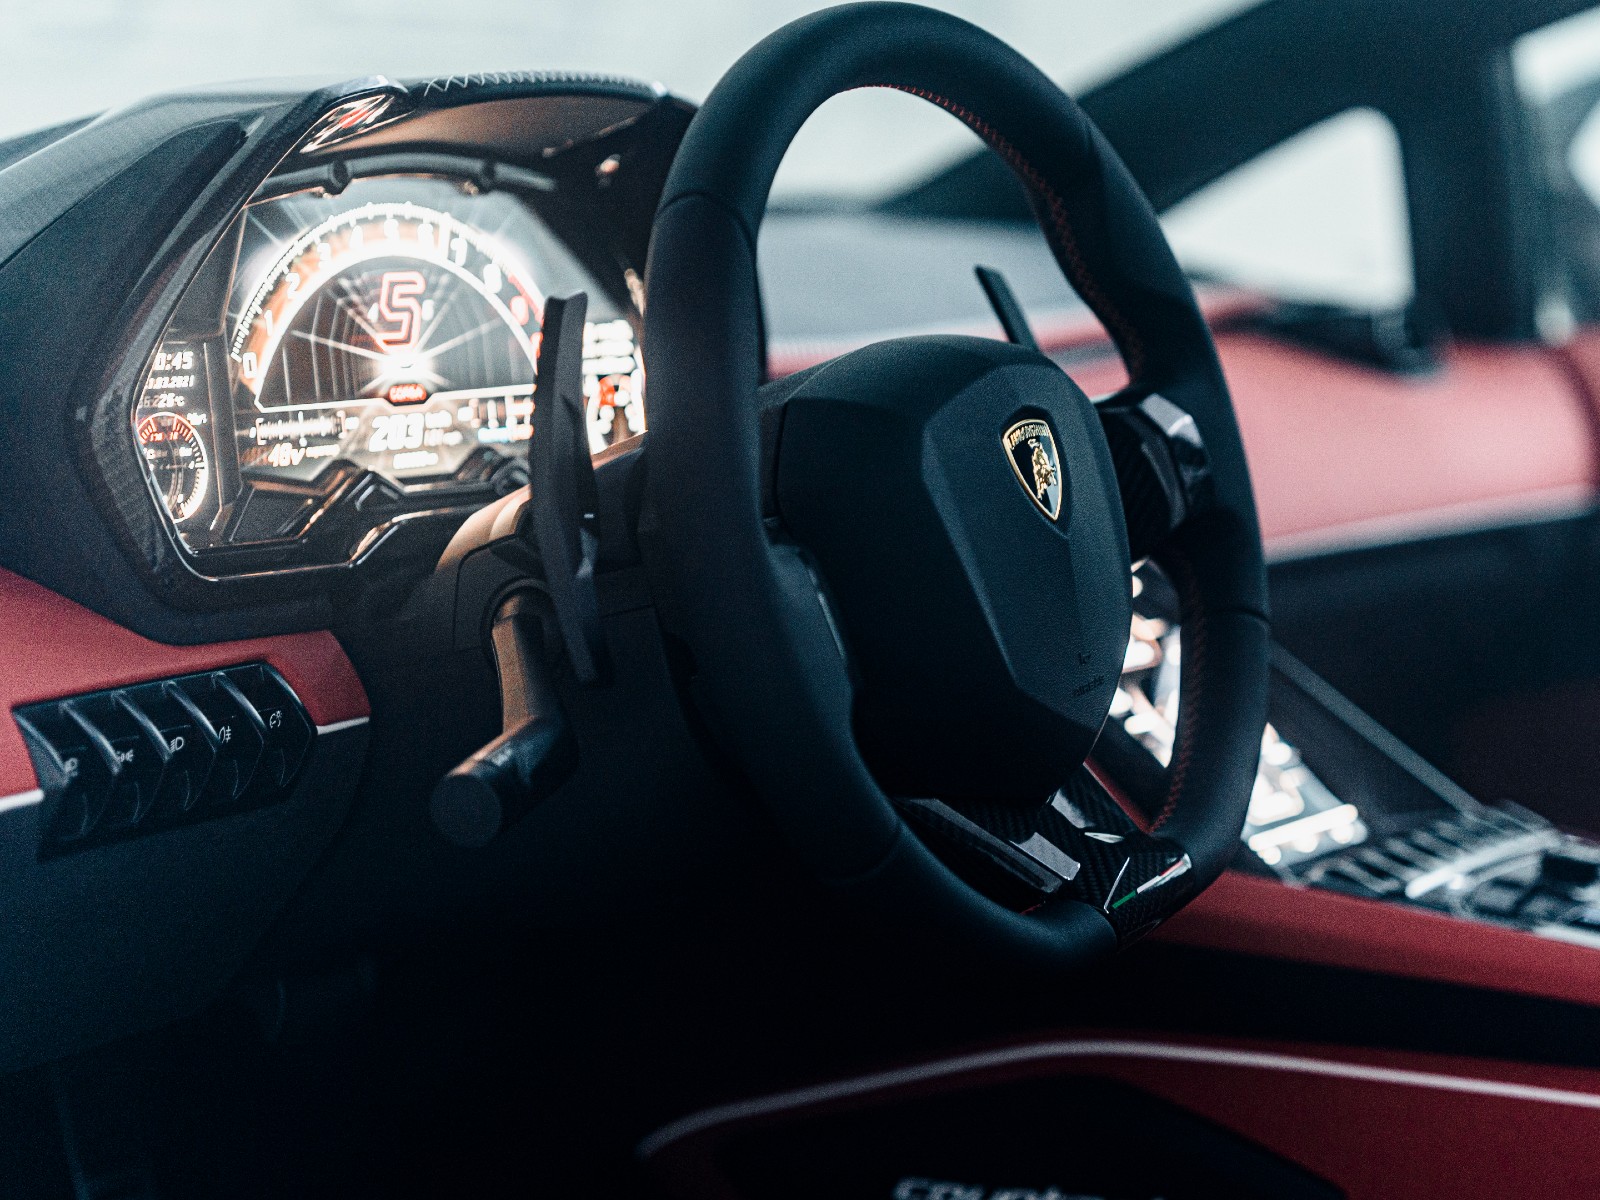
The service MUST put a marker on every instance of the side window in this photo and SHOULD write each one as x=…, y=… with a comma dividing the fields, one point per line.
x=1583, y=156
x=1559, y=59
x=1320, y=218
x=1558, y=76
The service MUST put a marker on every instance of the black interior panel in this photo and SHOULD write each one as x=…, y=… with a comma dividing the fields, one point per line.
x=1472, y=649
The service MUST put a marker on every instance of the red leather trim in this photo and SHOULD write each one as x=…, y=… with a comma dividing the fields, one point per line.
x=1375, y=1123
x=1332, y=445
x=1342, y=455
x=1580, y=355
x=1262, y=917
x=51, y=647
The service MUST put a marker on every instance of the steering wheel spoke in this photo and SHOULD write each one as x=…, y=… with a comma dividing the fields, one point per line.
x=1163, y=469
x=1081, y=845
x=957, y=514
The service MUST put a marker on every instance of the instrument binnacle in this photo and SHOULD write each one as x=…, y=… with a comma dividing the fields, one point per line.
x=392, y=331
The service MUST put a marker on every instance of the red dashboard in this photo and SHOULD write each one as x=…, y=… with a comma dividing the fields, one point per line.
x=1344, y=456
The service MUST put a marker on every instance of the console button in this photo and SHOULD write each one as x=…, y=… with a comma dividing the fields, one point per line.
x=1403, y=859
x=286, y=731
x=1499, y=898
x=118, y=762
x=133, y=756
x=1349, y=875
x=74, y=776
x=1570, y=868
x=234, y=734
x=1546, y=908
x=187, y=748
x=1386, y=867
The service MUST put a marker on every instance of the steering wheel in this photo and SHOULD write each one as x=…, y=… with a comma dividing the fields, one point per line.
x=900, y=581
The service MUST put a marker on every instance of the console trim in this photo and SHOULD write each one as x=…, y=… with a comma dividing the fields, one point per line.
x=21, y=800
x=1517, y=847
x=1264, y=918
x=1045, y=1052
x=1476, y=1118
x=341, y=726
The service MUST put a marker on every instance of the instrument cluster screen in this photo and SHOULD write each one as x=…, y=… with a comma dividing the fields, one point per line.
x=392, y=328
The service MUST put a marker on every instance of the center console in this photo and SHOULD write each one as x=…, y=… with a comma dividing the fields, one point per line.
x=1340, y=804
x=1418, y=915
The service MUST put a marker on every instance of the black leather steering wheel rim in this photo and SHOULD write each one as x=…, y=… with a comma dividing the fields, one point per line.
x=765, y=669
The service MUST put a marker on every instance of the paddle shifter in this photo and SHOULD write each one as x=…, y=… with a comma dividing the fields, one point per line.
x=529, y=561
x=560, y=520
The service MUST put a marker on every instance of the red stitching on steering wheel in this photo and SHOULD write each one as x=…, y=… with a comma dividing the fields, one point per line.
x=1065, y=240
x=1193, y=615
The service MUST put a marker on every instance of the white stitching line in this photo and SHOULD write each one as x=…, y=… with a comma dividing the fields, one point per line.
x=1439, y=520
x=1045, y=1051
x=341, y=725
x=21, y=800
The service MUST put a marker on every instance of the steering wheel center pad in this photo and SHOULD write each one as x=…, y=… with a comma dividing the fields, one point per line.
x=983, y=588
x=767, y=670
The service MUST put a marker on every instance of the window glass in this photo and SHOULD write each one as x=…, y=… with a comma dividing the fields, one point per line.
x=68, y=58
x=1550, y=62
x=1318, y=218
x=1558, y=75
x=1583, y=156
x=1558, y=67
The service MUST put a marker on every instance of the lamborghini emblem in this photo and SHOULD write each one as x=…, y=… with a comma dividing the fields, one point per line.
x=1031, y=449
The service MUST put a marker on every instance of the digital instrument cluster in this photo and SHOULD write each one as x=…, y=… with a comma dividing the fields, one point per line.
x=389, y=331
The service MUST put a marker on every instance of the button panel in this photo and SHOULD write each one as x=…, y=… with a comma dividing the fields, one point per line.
x=123, y=763
x=235, y=734
x=286, y=732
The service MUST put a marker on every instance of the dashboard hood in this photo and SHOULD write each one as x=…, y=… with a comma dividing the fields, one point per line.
x=109, y=220
x=44, y=173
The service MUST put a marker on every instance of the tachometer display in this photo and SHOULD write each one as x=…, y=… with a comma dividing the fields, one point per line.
x=391, y=335
x=390, y=327
x=178, y=463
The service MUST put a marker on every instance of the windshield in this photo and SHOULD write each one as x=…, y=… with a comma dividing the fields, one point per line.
x=1320, y=219
x=68, y=58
